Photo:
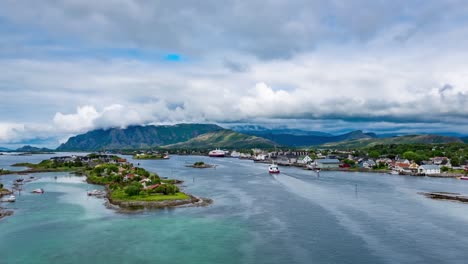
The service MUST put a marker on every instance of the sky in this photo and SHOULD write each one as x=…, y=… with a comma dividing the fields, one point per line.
x=70, y=66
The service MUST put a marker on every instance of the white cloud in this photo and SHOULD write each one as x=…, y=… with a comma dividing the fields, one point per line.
x=332, y=64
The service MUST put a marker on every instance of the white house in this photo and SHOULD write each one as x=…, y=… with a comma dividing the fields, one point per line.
x=429, y=169
x=235, y=154
x=304, y=159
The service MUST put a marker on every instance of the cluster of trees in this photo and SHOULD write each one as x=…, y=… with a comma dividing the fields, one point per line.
x=456, y=152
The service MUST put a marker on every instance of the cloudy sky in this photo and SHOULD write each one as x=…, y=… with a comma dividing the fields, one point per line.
x=69, y=66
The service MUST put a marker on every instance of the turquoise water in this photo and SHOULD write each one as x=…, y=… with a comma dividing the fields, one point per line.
x=293, y=217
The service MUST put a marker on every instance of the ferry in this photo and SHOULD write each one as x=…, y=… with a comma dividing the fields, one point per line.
x=217, y=153
x=273, y=168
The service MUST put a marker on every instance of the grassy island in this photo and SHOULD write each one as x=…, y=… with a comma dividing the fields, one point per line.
x=144, y=156
x=201, y=165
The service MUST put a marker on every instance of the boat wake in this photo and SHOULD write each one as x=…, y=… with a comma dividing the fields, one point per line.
x=343, y=206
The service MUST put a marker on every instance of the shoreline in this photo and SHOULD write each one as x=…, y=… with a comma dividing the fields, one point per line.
x=446, y=196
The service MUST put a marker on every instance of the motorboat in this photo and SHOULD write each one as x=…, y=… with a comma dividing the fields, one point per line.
x=273, y=168
x=463, y=178
x=10, y=199
x=40, y=191
x=217, y=153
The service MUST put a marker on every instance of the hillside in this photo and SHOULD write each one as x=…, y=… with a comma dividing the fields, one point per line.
x=136, y=137
x=313, y=140
x=224, y=139
x=408, y=139
x=464, y=139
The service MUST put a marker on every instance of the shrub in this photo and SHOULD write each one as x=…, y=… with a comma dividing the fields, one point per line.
x=133, y=189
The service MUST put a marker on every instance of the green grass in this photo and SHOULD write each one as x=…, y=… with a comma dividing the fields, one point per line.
x=120, y=195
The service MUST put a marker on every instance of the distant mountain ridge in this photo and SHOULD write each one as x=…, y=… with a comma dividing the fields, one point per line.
x=407, y=139
x=29, y=148
x=259, y=130
x=136, y=137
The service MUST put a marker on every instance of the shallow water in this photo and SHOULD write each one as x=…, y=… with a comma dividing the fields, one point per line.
x=293, y=217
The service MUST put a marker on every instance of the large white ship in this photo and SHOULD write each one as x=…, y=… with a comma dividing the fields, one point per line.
x=217, y=153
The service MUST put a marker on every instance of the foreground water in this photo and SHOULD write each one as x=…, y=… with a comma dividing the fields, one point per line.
x=294, y=217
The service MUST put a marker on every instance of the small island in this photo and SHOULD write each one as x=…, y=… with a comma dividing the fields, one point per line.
x=150, y=156
x=127, y=186
x=201, y=165
x=446, y=196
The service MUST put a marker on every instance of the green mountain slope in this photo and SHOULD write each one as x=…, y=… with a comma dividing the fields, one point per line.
x=311, y=140
x=136, y=137
x=224, y=139
x=408, y=139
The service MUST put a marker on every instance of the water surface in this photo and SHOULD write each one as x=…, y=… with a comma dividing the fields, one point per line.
x=293, y=217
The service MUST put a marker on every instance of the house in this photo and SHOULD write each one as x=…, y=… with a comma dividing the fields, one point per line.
x=327, y=163
x=151, y=187
x=304, y=159
x=260, y=157
x=440, y=160
x=413, y=167
x=235, y=154
x=144, y=182
x=405, y=161
x=367, y=164
x=429, y=169
x=401, y=166
x=129, y=176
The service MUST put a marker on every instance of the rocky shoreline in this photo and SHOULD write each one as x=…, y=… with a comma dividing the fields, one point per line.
x=4, y=213
x=446, y=196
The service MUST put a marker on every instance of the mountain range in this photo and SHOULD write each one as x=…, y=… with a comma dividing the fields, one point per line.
x=205, y=136
x=295, y=139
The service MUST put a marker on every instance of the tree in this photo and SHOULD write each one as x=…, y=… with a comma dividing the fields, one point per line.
x=1, y=186
x=444, y=169
x=374, y=154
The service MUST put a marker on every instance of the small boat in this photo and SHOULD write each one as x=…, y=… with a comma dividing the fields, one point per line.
x=19, y=180
x=40, y=190
x=395, y=172
x=10, y=199
x=273, y=168
x=96, y=193
x=463, y=178
x=217, y=153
